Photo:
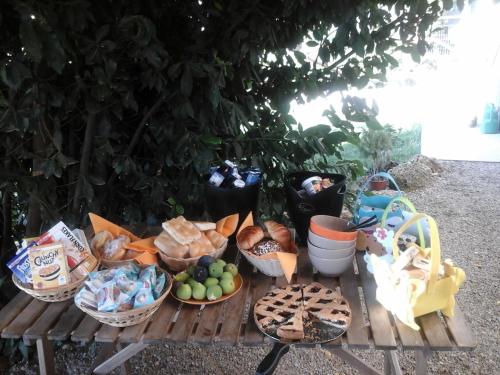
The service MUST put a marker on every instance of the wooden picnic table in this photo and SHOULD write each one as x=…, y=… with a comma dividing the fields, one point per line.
x=38, y=322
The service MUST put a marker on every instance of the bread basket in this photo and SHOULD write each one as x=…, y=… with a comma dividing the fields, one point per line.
x=269, y=267
x=180, y=264
x=58, y=294
x=134, y=316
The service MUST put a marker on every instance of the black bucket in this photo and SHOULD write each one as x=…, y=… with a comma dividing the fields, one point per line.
x=301, y=207
x=221, y=202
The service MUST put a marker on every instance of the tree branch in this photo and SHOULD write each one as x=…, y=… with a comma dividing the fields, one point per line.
x=84, y=162
x=138, y=132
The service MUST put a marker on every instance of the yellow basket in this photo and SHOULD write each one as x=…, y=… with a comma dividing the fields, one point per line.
x=423, y=297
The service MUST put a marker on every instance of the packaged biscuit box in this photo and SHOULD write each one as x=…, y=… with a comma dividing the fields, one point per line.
x=48, y=266
x=74, y=249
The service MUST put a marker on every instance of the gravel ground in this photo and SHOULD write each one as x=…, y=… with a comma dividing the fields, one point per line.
x=465, y=201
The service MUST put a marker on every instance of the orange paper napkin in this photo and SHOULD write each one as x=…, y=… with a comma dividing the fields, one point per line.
x=146, y=250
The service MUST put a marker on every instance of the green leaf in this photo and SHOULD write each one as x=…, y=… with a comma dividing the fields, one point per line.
x=30, y=39
x=312, y=43
x=171, y=201
x=318, y=131
x=186, y=81
x=211, y=139
x=301, y=58
x=447, y=4
x=460, y=5
x=14, y=74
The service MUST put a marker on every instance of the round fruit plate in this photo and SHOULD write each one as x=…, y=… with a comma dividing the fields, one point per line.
x=238, y=283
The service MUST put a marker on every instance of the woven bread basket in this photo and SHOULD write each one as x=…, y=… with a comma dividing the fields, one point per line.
x=134, y=316
x=180, y=264
x=58, y=294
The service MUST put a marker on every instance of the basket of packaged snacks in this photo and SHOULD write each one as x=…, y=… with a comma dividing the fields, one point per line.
x=124, y=296
x=53, y=267
x=272, y=251
x=182, y=243
x=116, y=246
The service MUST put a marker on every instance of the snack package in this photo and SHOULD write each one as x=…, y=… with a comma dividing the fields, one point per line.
x=143, y=297
x=48, y=266
x=126, y=285
x=75, y=251
x=107, y=297
x=148, y=277
x=125, y=302
x=87, y=298
x=20, y=266
x=160, y=283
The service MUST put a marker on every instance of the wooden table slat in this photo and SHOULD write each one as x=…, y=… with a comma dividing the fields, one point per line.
x=260, y=285
x=187, y=318
x=234, y=311
x=435, y=331
x=304, y=267
x=42, y=325
x=107, y=333
x=67, y=322
x=24, y=320
x=160, y=322
x=357, y=334
x=13, y=308
x=460, y=330
x=85, y=331
x=410, y=339
x=210, y=316
x=134, y=333
x=381, y=328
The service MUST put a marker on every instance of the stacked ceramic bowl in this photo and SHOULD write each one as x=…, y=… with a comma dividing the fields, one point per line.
x=331, y=246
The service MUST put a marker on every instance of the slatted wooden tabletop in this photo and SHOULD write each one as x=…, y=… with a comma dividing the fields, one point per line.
x=231, y=322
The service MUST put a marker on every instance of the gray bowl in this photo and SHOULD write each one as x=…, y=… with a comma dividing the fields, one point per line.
x=330, y=254
x=331, y=267
x=328, y=244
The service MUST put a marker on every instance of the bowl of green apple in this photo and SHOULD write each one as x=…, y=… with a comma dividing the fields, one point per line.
x=209, y=281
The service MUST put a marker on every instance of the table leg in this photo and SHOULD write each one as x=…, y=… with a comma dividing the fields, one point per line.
x=45, y=356
x=391, y=363
x=355, y=362
x=421, y=361
x=119, y=358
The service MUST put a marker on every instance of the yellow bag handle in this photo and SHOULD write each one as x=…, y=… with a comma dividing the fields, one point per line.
x=435, y=245
x=412, y=208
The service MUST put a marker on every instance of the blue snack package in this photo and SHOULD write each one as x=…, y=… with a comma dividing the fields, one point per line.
x=132, y=270
x=107, y=297
x=143, y=297
x=148, y=276
x=158, y=288
x=20, y=266
x=127, y=285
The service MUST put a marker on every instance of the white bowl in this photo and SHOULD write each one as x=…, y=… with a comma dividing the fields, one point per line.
x=326, y=243
x=330, y=254
x=331, y=267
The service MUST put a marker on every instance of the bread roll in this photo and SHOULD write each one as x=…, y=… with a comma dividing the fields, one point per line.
x=115, y=249
x=216, y=238
x=171, y=247
x=279, y=233
x=201, y=247
x=99, y=241
x=249, y=236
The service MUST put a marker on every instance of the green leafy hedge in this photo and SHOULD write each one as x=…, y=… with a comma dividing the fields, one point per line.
x=120, y=107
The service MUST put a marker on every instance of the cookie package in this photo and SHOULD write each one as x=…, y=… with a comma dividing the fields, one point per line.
x=48, y=266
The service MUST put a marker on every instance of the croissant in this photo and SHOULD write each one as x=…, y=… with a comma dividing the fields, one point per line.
x=249, y=236
x=279, y=233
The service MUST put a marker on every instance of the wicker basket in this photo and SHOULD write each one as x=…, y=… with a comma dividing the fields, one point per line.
x=134, y=316
x=58, y=294
x=180, y=264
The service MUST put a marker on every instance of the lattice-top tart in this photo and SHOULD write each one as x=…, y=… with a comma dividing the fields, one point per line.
x=284, y=312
